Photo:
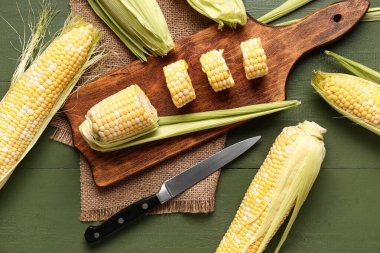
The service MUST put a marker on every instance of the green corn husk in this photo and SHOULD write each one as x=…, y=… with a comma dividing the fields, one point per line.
x=356, y=68
x=282, y=10
x=351, y=99
x=172, y=126
x=140, y=25
x=230, y=12
x=373, y=14
x=34, y=45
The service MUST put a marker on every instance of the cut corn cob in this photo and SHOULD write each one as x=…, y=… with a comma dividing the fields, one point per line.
x=356, y=98
x=171, y=126
x=39, y=92
x=282, y=184
x=216, y=69
x=125, y=115
x=179, y=83
x=254, y=58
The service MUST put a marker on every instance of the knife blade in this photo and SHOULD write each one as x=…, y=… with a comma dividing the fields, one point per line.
x=169, y=189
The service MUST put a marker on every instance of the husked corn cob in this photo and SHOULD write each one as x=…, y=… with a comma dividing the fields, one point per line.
x=216, y=69
x=179, y=83
x=282, y=184
x=125, y=115
x=39, y=92
x=254, y=58
x=354, y=97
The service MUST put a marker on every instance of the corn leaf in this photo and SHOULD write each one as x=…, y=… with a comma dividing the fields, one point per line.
x=230, y=12
x=140, y=25
x=284, y=9
x=356, y=68
x=184, y=124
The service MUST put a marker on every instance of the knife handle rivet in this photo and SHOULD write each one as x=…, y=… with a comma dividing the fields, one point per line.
x=145, y=206
x=120, y=220
x=96, y=235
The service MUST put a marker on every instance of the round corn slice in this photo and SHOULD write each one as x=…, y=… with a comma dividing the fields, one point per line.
x=254, y=58
x=179, y=83
x=125, y=115
x=216, y=69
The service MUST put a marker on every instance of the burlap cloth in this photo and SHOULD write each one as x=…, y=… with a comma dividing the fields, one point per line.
x=98, y=204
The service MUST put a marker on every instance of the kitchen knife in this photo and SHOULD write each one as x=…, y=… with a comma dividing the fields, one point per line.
x=170, y=189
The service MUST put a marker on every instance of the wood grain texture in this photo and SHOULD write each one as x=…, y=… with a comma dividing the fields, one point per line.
x=283, y=46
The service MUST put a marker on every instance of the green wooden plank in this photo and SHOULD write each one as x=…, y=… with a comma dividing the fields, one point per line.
x=39, y=212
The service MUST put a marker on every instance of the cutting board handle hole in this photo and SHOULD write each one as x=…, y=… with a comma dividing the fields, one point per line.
x=337, y=18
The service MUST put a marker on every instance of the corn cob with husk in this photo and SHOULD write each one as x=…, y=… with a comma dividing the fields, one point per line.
x=230, y=12
x=179, y=83
x=279, y=188
x=134, y=122
x=37, y=94
x=140, y=25
x=254, y=58
x=217, y=71
x=354, y=97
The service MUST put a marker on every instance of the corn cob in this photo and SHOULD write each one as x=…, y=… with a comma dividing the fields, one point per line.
x=282, y=184
x=37, y=94
x=179, y=83
x=125, y=116
x=254, y=58
x=175, y=125
x=216, y=69
x=354, y=97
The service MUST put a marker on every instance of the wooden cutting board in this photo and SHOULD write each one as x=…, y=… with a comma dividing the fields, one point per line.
x=283, y=46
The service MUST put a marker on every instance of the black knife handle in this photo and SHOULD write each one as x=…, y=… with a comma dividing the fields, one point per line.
x=120, y=219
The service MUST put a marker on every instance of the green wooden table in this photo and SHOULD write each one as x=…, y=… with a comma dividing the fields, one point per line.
x=39, y=206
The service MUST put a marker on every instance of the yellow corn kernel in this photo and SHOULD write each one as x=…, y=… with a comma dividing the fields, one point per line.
x=33, y=97
x=216, y=69
x=282, y=184
x=179, y=83
x=356, y=98
x=254, y=58
x=125, y=115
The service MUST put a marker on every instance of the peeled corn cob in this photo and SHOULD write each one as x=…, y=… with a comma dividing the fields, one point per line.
x=125, y=116
x=179, y=83
x=254, y=58
x=216, y=69
x=282, y=184
x=39, y=92
x=356, y=98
